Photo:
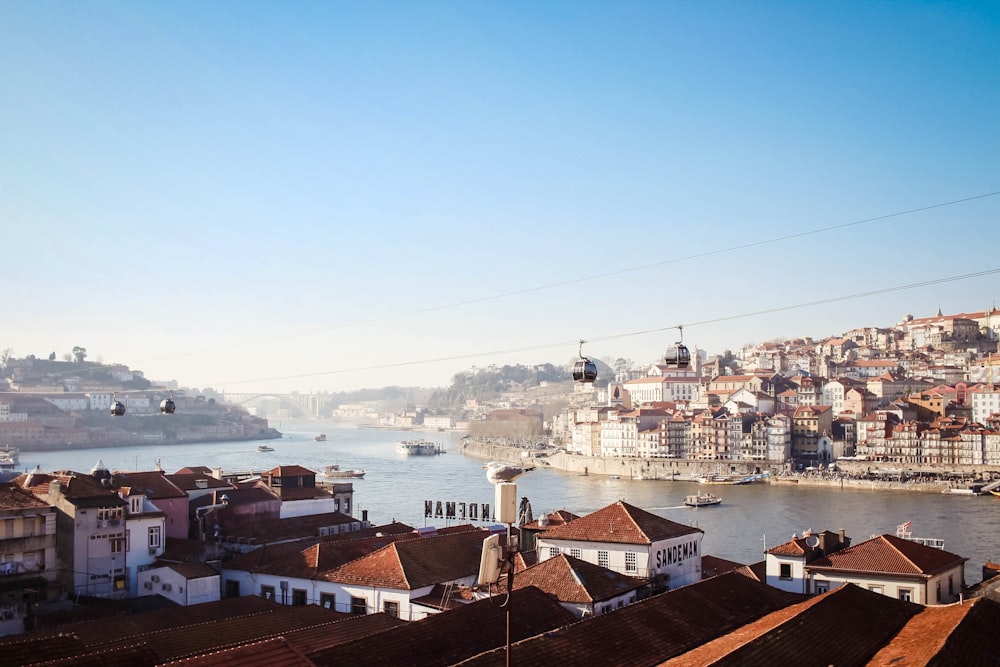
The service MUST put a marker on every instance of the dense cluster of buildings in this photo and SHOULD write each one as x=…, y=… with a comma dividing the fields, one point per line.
x=926, y=392
x=274, y=563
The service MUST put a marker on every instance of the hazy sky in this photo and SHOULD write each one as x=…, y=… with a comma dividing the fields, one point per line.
x=268, y=196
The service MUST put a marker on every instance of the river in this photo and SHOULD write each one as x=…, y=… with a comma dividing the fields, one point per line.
x=750, y=518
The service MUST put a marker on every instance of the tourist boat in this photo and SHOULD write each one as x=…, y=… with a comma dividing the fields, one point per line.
x=321, y=437
x=702, y=499
x=418, y=448
x=334, y=472
x=264, y=448
x=9, y=461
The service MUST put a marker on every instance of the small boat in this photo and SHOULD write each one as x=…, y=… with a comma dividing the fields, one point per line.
x=995, y=493
x=418, y=448
x=264, y=448
x=321, y=437
x=702, y=499
x=334, y=472
x=9, y=457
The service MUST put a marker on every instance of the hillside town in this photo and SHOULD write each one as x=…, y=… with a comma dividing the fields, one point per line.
x=207, y=566
x=922, y=397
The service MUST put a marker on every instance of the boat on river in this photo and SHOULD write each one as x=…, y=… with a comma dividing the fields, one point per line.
x=10, y=459
x=264, y=448
x=334, y=472
x=702, y=500
x=419, y=448
x=321, y=437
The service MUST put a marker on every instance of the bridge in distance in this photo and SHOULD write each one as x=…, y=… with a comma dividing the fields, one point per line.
x=298, y=405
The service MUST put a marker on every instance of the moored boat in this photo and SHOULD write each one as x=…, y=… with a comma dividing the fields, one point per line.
x=702, y=499
x=419, y=448
x=334, y=472
x=264, y=448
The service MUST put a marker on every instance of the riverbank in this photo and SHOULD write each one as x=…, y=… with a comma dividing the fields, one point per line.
x=690, y=470
x=269, y=434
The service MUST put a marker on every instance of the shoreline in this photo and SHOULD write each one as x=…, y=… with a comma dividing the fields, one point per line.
x=689, y=470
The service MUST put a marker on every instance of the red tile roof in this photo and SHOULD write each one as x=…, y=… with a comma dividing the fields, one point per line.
x=888, y=554
x=13, y=497
x=573, y=580
x=653, y=630
x=413, y=564
x=620, y=523
x=453, y=636
x=154, y=485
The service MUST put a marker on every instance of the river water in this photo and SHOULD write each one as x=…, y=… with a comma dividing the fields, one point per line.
x=750, y=518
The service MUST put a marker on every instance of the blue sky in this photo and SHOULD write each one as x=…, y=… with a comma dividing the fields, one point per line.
x=265, y=196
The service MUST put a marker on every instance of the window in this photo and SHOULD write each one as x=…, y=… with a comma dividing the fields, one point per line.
x=786, y=571
x=822, y=588
x=135, y=505
x=347, y=506
x=553, y=552
x=602, y=558
x=906, y=594
x=232, y=588
x=951, y=585
x=328, y=601
x=117, y=544
x=267, y=592
x=298, y=597
x=359, y=605
x=875, y=589
x=154, y=537
x=575, y=553
x=391, y=608
x=630, y=561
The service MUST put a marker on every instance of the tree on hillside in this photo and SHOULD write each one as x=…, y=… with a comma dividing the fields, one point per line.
x=52, y=356
x=79, y=354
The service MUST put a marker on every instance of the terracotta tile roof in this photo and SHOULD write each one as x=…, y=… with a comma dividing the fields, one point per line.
x=139, y=655
x=795, y=548
x=620, y=523
x=291, y=471
x=570, y=579
x=276, y=652
x=412, y=564
x=557, y=518
x=308, y=560
x=453, y=636
x=189, y=481
x=712, y=566
x=846, y=626
x=307, y=526
x=653, y=630
x=154, y=485
x=192, y=640
x=25, y=649
x=888, y=554
x=13, y=497
x=355, y=626
x=80, y=489
x=975, y=641
x=921, y=638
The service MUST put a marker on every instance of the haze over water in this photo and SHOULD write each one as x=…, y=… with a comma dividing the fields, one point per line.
x=395, y=487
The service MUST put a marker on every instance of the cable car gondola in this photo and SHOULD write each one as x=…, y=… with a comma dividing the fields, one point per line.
x=117, y=408
x=167, y=406
x=584, y=370
x=678, y=356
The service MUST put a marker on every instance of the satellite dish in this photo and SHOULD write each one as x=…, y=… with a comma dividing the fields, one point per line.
x=812, y=541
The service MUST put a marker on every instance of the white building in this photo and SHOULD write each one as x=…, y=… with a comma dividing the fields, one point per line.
x=626, y=539
x=183, y=583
